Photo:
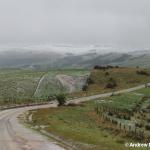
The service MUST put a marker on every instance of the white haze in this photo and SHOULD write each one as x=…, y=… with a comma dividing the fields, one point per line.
x=114, y=25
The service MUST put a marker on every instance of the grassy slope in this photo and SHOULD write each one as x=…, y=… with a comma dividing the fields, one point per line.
x=78, y=124
x=82, y=125
x=18, y=84
x=125, y=78
x=50, y=85
x=145, y=91
x=21, y=84
x=124, y=101
x=142, y=61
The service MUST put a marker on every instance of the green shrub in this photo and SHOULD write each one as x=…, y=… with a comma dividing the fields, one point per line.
x=143, y=73
x=85, y=87
x=90, y=81
x=106, y=73
x=147, y=127
x=111, y=83
x=61, y=98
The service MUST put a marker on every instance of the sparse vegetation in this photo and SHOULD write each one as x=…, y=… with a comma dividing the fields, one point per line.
x=80, y=125
x=51, y=86
x=123, y=114
x=105, y=67
x=114, y=78
x=18, y=86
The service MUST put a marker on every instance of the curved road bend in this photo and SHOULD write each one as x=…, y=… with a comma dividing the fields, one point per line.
x=14, y=136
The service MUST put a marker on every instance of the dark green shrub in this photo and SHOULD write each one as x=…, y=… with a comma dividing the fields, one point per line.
x=111, y=83
x=148, y=120
x=90, y=81
x=139, y=125
x=61, y=98
x=143, y=73
x=85, y=87
x=147, y=127
x=110, y=113
x=106, y=73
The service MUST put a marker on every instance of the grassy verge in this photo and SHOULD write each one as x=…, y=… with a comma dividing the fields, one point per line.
x=144, y=91
x=126, y=101
x=80, y=125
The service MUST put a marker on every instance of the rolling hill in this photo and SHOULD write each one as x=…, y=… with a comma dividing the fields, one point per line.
x=101, y=81
x=49, y=59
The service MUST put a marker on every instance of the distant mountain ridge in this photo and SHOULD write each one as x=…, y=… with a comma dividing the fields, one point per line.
x=51, y=59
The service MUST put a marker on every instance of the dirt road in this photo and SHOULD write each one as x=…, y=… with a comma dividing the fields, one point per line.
x=88, y=98
x=14, y=136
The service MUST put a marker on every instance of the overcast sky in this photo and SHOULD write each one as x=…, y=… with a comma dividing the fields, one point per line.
x=124, y=23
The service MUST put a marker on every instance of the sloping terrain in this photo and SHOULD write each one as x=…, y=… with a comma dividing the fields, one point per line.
x=72, y=83
x=106, y=123
x=18, y=58
x=116, y=78
x=18, y=85
x=141, y=61
x=57, y=81
x=45, y=60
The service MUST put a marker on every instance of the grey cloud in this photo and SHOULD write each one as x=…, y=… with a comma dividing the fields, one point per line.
x=124, y=23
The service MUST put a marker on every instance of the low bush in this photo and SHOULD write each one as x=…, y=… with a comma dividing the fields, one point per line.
x=74, y=104
x=147, y=127
x=141, y=72
x=139, y=125
x=111, y=83
x=61, y=98
x=106, y=73
x=89, y=81
x=85, y=87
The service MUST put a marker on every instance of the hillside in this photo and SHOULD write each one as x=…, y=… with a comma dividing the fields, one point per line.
x=18, y=58
x=101, y=81
x=56, y=81
x=18, y=85
x=45, y=60
x=142, y=61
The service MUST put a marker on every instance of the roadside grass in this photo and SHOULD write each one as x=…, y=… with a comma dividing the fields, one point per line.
x=144, y=91
x=126, y=101
x=79, y=125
